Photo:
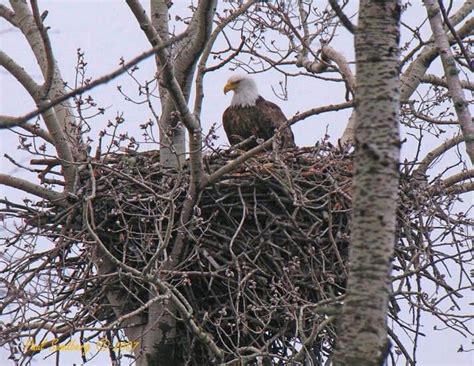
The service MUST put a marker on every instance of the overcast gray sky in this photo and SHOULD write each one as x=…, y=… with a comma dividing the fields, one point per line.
x=106, y=31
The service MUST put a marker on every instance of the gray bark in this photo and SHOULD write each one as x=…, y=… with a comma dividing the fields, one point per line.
x=451, y=72
x=59, y=120
x=362, y=335
x=412, y=76
x=160, y=342
x=184, y=60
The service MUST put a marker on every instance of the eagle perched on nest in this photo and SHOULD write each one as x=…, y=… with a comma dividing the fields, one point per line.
x=251, y=115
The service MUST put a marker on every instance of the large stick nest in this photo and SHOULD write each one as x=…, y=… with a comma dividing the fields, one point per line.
x=263, y=268
x=264, y=245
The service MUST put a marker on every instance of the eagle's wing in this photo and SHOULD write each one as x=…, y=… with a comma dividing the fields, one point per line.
x=271, y=118
x=260, y=121
x=235, y=126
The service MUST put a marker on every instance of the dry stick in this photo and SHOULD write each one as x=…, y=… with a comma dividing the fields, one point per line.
x=132, y=179
x=299, y=357
x=186, y=311
x=342, y=17
x=7, y=122
x=165, y=241
x=433, y=154
x=48, y=80
x=37, y=131
x=451, y=73
x=455, y=35
x=425, y=118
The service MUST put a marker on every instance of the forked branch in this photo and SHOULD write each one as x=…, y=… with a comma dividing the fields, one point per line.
x=451, y=72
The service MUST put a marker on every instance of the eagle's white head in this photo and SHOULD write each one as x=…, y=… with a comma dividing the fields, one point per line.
x=245, y=90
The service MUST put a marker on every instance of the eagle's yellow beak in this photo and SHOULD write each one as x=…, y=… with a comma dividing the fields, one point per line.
x=229, y=86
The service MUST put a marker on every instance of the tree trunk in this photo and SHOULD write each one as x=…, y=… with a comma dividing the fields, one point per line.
x=184, y=58
x=362, y=338
x=161, y=343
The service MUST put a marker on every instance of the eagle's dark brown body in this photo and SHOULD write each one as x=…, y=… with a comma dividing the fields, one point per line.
x=259, y=120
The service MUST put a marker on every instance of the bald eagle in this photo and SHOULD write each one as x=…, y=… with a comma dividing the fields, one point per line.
x=251, y=115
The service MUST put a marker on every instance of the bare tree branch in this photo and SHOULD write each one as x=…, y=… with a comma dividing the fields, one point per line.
x=429, y=119
x=23, y=78
x=36, y=131
x=344, y=20
x=457, y=189
x=49, y=73
x=8, y=122
x=48, y=114
x=451, y=73
x=343, y=66
x=8, y=15
x=27, y=186
x=435, y=80
x=332, y=55
x=458, y=177
x=59, y=121
x=34, y=37
x=454, y=33
x=413, y=74
x=435, y=153
x=319, y=110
